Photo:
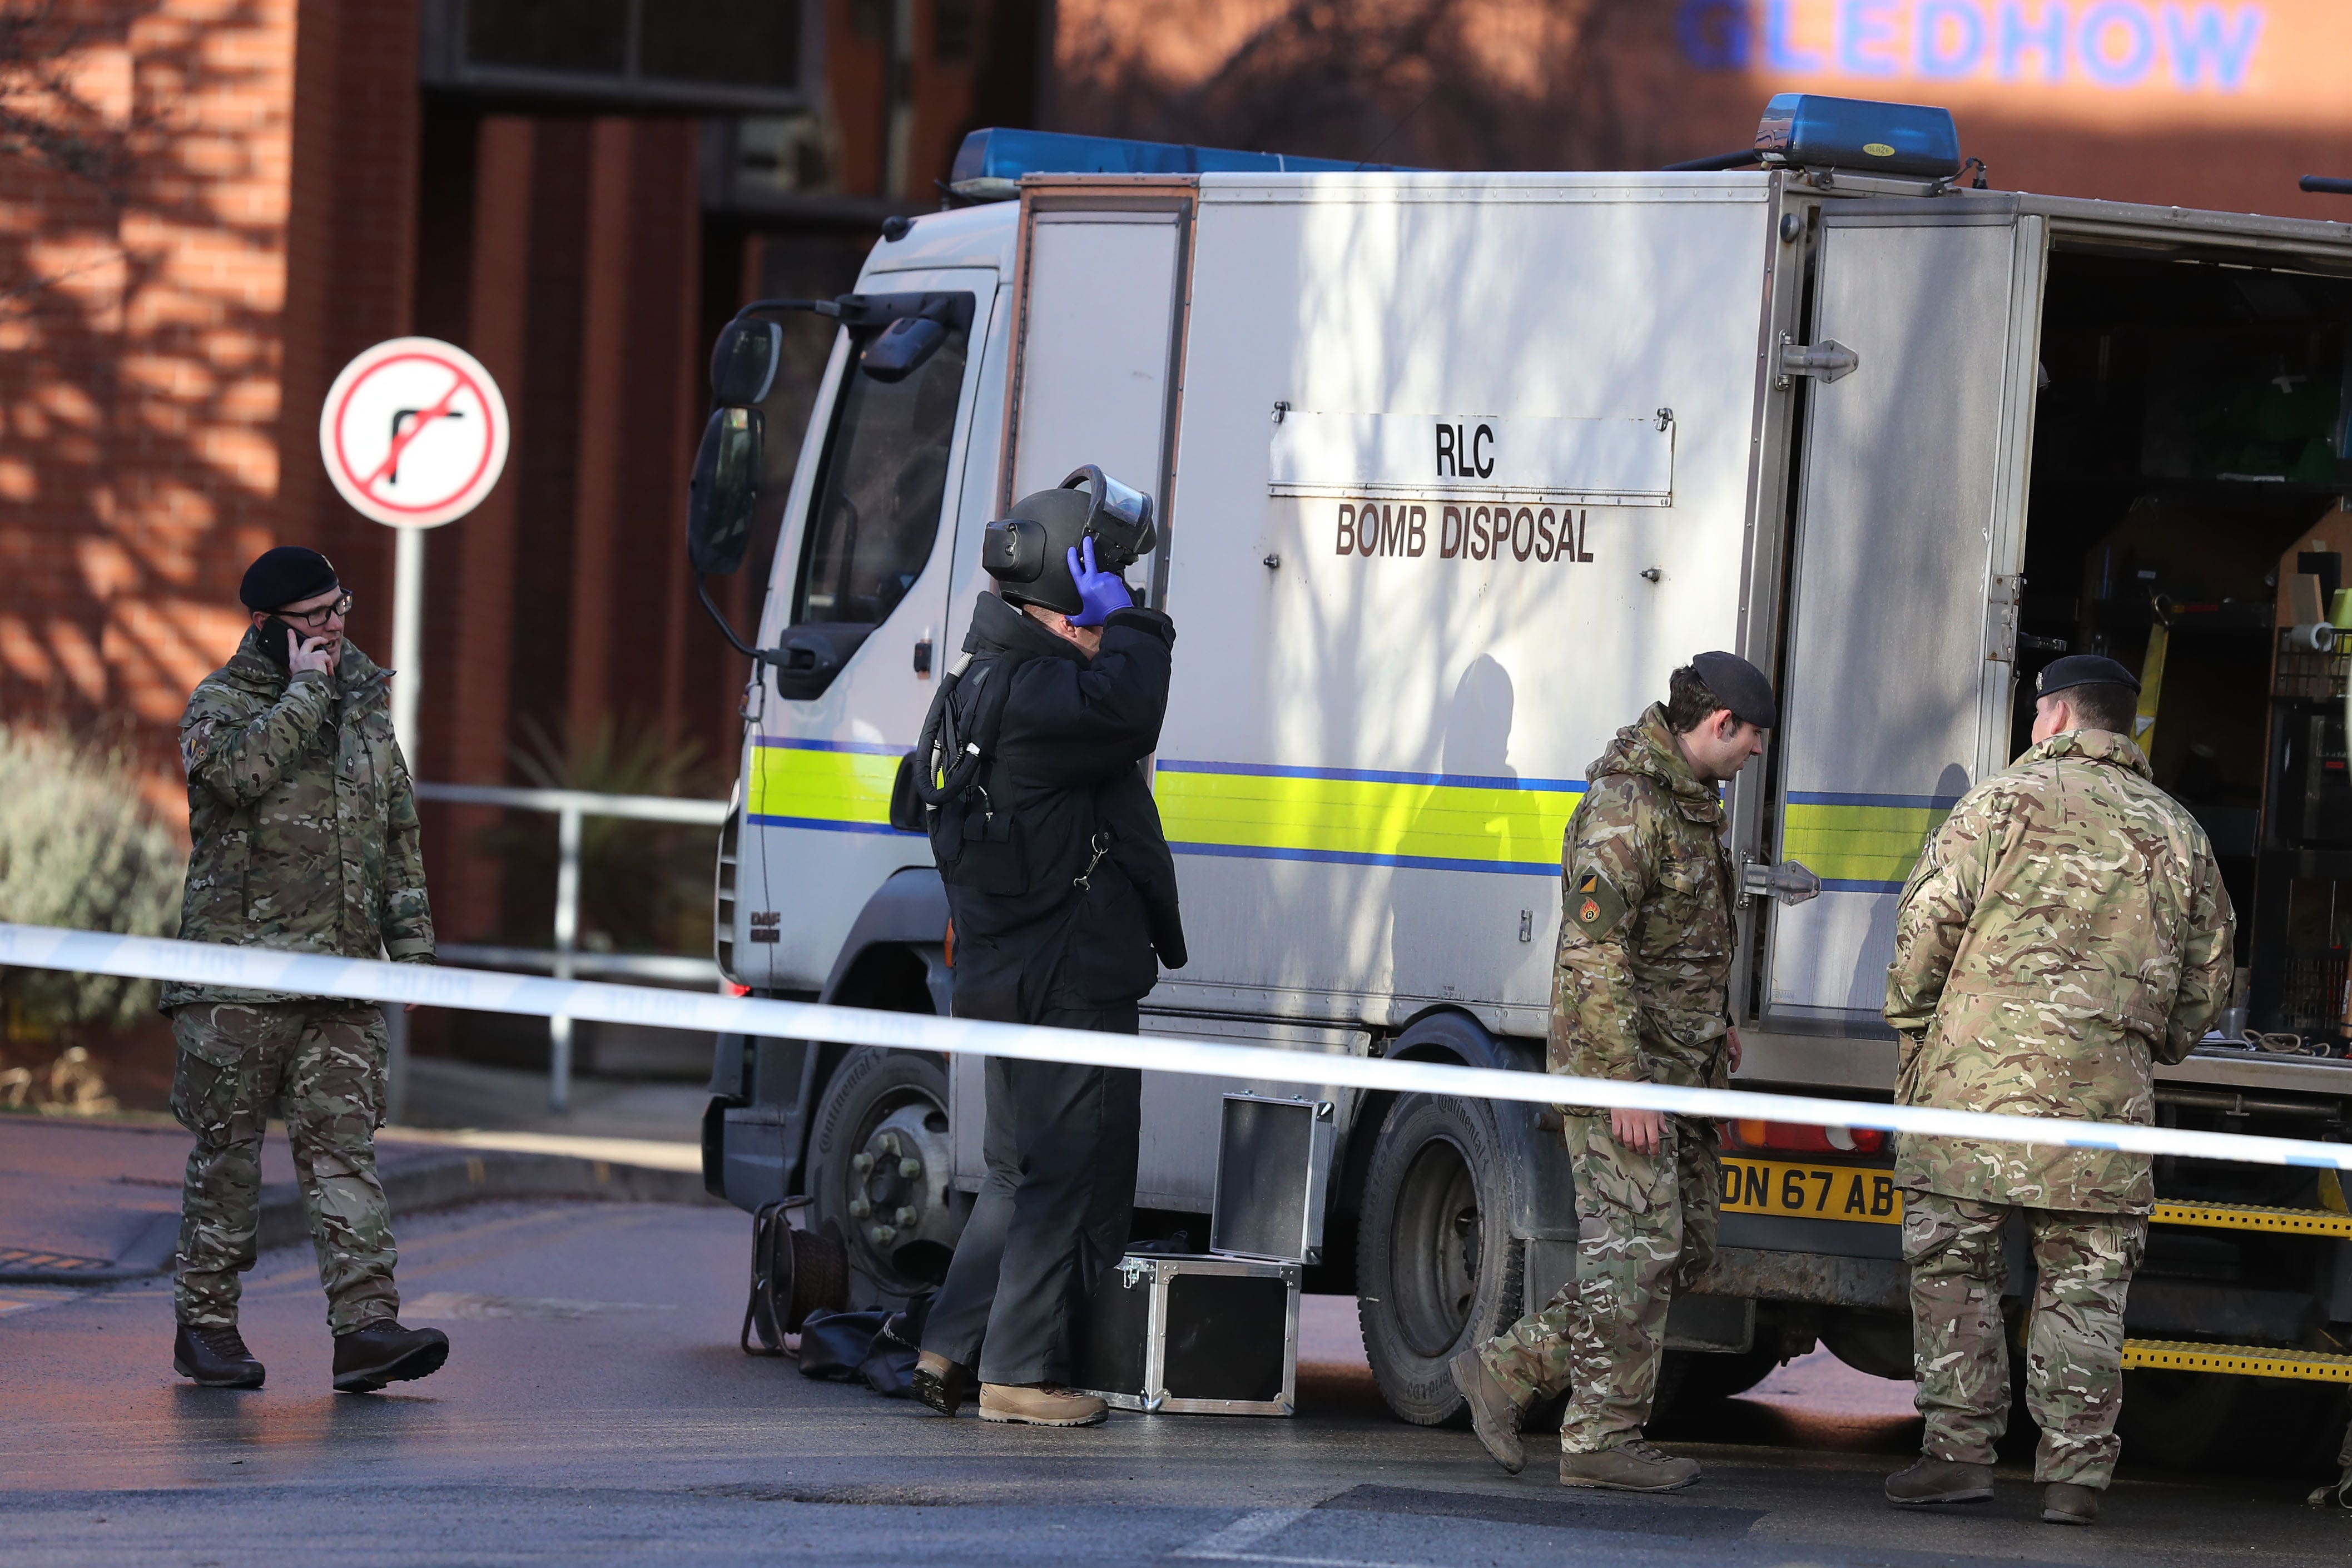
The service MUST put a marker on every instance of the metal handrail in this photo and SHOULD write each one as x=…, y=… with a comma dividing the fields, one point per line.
x=569, y=806
x=586, y=802
x=638, y=965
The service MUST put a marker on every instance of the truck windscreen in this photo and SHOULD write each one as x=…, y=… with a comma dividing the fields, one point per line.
x=877, y=508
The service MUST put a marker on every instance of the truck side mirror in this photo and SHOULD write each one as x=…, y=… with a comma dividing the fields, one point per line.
x=743, y=362
x=724, y=491
x=899, y=349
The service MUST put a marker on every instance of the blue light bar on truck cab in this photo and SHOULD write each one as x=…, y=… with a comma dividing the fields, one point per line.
x=1809, y=131
x=990, y=163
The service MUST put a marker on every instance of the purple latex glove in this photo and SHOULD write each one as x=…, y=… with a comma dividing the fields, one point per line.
x=1100, y=591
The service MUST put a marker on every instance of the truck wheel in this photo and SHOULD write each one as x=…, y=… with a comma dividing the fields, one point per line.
x=1437, y=1268
x=882, y=1171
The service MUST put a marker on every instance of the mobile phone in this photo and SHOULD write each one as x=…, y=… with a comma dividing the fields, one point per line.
x=274, y=646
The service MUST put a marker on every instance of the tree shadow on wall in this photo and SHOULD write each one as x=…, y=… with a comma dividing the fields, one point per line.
x=137, y=428
x=1458, y=84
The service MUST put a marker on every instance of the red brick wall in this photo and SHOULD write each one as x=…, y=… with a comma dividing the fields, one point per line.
x=168, y=330
x=281, y=195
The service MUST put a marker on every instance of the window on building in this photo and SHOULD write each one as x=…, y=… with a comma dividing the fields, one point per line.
x=746, y=43
x=717, y=54
x=955, y=31
x=877, y=509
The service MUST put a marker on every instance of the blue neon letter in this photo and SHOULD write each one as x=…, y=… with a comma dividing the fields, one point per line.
x=2131, y=67
x=1862, y=28
x=1714, y=33
x=2048, y=40
x=1967, y=28
x=2230, y=53
x=1778, y=53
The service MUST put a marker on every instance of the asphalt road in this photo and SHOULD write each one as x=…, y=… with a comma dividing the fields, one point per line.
x=596, y=1410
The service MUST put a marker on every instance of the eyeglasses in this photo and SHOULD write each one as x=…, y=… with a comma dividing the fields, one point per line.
x=317, y=619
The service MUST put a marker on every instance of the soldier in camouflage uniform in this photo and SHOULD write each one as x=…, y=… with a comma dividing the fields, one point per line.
x=2338, y=1493
x=2065, y=929
x=306, y=839
x=1639, y=993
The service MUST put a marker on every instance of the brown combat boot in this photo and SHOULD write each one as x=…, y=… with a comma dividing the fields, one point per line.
x=2064, y=1502
x=1040, y=1404
x=1637, y=1466
x=940, y=1383
x=1929, y=1480
x=1493, y=1414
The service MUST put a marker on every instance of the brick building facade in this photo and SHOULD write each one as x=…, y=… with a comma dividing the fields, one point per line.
x=229, y=199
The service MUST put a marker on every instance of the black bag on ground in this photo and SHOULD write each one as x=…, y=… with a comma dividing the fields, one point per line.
x=876, y=1348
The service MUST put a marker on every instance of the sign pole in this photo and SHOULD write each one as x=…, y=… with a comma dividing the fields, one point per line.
x=407, y=637
x=408, y=674
x=413, y=434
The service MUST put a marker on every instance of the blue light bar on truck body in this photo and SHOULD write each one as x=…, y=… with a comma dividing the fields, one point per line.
x=990, y=163
x=1809, y=131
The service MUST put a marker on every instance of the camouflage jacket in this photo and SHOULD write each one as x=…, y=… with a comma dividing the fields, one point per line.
x=2065, y=929
x=1640, y=980
x=303, y=822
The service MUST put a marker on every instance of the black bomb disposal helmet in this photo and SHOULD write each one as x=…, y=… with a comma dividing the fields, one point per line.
x=1028, y=552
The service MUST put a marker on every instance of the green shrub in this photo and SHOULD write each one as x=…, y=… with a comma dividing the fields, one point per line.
x=80, y=847
x=644, y=886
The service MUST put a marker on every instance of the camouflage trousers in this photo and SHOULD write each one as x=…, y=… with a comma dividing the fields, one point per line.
x=2074, y=1346
x=319, y=1065
x=2338, y=1493
x=1646, y=1229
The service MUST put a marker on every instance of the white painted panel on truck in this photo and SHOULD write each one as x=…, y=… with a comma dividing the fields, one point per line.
x=1095, y=348
x=817, y=840
x=1385, y=706
x=1480, y=456
x=1898, y=676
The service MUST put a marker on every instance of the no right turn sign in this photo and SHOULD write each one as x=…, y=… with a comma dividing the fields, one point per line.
x=414, y=433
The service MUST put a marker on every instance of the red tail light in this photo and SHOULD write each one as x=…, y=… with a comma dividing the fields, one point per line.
x=1796, y=1138
x=735, y=990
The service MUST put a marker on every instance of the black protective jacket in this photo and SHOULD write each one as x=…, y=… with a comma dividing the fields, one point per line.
x=1064, y=782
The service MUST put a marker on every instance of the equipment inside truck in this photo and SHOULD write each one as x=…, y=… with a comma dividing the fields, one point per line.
x=2185, y=518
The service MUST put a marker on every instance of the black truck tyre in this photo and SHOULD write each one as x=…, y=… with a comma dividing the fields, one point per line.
x=1437, y=1268
x=890, y=1108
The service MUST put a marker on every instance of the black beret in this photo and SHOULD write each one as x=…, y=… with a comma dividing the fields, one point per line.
x=1740, y=686
x=2084, y=669
x=282, y=576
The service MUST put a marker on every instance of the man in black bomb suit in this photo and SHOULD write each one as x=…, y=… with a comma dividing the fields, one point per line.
x=1061, y=888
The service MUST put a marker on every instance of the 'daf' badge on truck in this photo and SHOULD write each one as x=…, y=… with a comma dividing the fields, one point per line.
x=1595, y=906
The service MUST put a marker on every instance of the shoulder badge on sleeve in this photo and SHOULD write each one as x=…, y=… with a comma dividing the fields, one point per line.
x=1594, y=905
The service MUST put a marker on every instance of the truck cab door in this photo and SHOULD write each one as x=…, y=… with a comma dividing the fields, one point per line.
x=858, y=611
x=1920, y=379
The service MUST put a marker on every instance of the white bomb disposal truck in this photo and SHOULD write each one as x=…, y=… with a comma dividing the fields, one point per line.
x=1452, y=469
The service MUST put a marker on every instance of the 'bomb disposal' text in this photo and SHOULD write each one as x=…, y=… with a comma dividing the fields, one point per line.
x=1464, y=532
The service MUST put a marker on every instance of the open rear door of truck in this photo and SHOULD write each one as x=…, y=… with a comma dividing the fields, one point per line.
x=1910, y=523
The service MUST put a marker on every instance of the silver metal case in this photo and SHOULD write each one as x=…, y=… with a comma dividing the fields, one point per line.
x=1194, y=1336
x=1274, y=1164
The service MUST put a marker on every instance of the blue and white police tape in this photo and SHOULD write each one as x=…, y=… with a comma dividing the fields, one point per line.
x=480, y=991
